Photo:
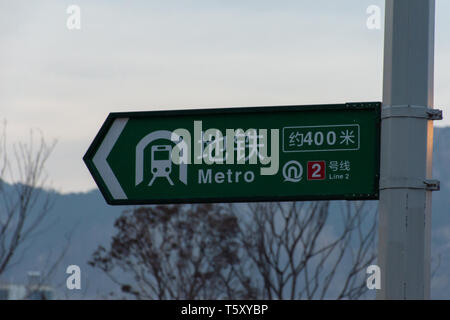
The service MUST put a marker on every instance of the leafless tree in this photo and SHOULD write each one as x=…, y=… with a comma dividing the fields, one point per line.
x=174, y=252
x=23, y=201
x=294, y=254
x=241, y=251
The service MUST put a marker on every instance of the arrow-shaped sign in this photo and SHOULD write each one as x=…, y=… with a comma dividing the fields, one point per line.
x=238, y=154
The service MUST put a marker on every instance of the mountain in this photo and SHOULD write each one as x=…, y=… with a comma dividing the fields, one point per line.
x=81, y=222
x=76, y=225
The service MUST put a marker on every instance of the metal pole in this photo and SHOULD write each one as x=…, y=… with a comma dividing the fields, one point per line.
x=406, y=150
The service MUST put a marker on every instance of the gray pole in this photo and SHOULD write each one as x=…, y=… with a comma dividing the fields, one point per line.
x=406, y=150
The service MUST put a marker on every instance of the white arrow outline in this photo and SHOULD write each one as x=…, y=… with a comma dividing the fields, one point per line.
x=102, y=153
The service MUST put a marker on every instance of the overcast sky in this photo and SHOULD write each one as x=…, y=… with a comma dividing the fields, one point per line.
x=154, y=55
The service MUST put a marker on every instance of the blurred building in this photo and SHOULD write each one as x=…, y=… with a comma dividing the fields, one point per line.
x=33, y=290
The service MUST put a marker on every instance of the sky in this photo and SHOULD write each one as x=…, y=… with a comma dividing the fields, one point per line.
x=157, y=55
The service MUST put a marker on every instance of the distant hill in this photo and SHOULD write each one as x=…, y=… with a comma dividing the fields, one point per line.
x=85, y=220
x=88, y=220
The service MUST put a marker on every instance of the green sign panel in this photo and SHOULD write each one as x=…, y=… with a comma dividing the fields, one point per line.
x=238, y=154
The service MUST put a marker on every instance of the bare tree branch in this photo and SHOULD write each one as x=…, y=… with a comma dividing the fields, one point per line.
x=22, y=203
x=296, y=258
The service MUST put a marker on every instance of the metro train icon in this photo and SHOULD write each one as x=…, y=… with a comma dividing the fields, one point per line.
x=161, y=163
x=161, y=155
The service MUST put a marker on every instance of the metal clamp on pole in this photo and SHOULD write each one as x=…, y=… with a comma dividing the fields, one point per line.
x=433, y=185
x=410, y=111
x=405, y=183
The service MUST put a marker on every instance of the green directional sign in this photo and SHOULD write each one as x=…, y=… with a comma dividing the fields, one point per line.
x=238, y=154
